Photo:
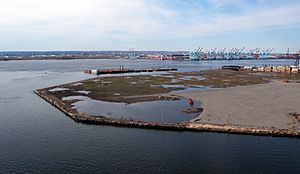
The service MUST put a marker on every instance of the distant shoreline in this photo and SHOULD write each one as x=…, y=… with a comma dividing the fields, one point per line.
x=114, y=57
x=61, y=58
x=134, y=55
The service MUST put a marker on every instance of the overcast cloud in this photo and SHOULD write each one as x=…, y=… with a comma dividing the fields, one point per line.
x=147, y=24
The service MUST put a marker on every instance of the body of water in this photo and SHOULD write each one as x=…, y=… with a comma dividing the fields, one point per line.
x=35, y=137
x=163, y=111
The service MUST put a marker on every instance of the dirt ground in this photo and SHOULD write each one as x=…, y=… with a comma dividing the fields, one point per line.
x=264, y=105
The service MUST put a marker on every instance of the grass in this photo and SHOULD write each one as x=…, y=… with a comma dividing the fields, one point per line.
x=140, y=85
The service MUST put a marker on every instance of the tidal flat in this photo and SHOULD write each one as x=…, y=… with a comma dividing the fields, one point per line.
x=130, y=90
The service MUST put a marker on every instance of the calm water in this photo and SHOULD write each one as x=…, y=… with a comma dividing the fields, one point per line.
x=37, y=138
x=164, y=111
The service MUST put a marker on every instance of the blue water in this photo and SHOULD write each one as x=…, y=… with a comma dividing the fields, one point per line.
x=37, y=138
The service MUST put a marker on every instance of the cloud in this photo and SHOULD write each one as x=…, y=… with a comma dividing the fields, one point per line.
x=254, y=19
x=92, y=24
x=222, y=3
x=104, y=16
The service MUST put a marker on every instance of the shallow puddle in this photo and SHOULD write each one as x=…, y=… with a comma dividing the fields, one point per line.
x=185, y=88
x=191, y=78
x=192, y=89
x=84, y=92
x=77, y=84
x=58, y=89
x=173, y=86
x=164, y=111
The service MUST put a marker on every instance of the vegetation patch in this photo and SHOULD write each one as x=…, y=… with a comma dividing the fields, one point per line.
x=131, y=89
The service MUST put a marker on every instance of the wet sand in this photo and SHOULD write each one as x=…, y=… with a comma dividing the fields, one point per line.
x=254, y=106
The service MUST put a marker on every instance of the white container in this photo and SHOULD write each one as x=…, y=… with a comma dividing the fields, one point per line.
x=94, y=71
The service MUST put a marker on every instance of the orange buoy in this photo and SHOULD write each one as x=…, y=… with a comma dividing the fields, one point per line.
x=191, y=102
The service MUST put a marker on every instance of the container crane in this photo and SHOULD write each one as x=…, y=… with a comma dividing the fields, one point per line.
x=235, y=53
x=214, y=53
x=266, y=53
x=195, y=55
x=263, y=54
x=132, y=54
x=255, y=53
x=240, y=53
x=221, y=54
x=229, y=54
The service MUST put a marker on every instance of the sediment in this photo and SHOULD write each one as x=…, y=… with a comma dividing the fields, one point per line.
x=80, y=117
x=84, y=118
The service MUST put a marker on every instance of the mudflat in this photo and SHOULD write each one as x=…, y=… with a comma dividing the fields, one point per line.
x=255, y=106
x=243, y=102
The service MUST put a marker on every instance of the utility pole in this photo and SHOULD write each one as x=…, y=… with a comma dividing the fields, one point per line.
x=297, y=60
x=162, y=116
x=228, y=119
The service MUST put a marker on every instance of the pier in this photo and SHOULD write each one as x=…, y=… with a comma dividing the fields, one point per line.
x=123, y=71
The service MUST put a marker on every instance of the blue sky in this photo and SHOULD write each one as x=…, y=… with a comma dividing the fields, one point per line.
x=149, y=24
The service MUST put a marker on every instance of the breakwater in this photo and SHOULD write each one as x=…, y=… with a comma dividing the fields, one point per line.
x=84, y=118
x=101, y=120
x=122, y=71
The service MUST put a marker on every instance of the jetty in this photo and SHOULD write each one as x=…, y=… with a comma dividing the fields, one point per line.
x=84, y=118
x=252, y=96
x=121, y=70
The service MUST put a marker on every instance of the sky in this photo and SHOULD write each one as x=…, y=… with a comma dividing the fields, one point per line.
x=45, y=25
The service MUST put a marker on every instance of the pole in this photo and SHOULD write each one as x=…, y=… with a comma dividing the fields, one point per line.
x=228, y=119
x=162, y=117
x=297, y=60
